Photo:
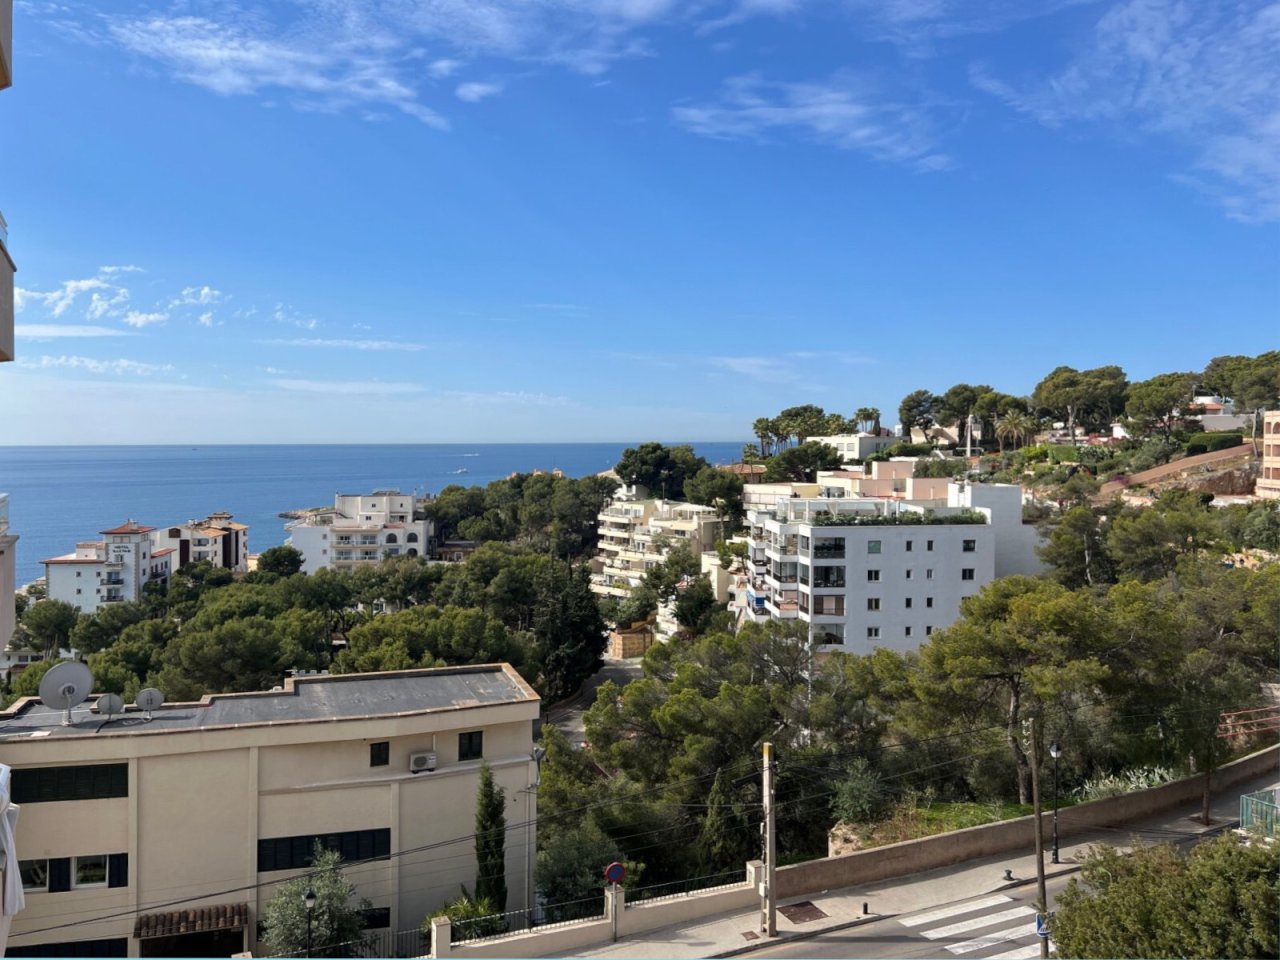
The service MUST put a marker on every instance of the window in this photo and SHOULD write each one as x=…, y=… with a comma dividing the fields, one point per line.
x=970, y=546
x=908, y=602
x=908, y=633
x=928, y=601
x=380, y=754
x=928, y=631
x=98, y=781
x=90, y=871
x=928, y=574
x=873, y=546
x=966, y=573
x=294, y=853
x=873, y=603
x=77, y=588
x=928, y=544
x=376, y=918
x=471, y=745
x=35, y=874
x=910, y=545
x=873, y=633
x=77, y=574
x=873, y=575
x=908, y=575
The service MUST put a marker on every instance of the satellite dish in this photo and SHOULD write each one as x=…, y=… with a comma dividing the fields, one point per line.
x=148, y=700
x=110, y=704
x=64, y=686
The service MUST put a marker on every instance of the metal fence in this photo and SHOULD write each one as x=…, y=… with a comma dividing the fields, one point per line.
x=684, y=888
x=1259, y=811
x=514, y=922
x=372, y=943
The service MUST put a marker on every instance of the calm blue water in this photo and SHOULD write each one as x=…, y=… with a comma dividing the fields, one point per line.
x=59, y=495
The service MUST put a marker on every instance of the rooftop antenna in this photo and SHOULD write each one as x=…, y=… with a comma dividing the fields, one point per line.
x=148, y=700
x=110, y=704
x=64, y=686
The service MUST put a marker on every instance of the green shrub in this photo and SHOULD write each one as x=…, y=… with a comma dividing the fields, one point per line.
x=1128, y=781
x=1064, y=452
x=1209, y=442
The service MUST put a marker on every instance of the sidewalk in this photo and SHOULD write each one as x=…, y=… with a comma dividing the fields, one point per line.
x=727, y=934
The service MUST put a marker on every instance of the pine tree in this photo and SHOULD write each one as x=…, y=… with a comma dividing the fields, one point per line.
x=491, y=834
x=725, y=841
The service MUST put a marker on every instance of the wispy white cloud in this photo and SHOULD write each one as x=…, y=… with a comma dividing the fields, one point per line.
x=764, y=369
x=346, y=344
x=349, y=388
x=444, y=67
x=508, y=397
x=1201, y=75
x=119, y=367
x=196, y=296
x=842, y=111
x=249, y=56
x=59, y=301
x=475, y=91
x=139, y=318
x=205, y=319
x=288, y=317
x=58, y=331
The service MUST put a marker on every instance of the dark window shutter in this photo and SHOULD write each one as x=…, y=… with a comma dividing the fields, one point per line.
x=60, y=875
x=118, y=870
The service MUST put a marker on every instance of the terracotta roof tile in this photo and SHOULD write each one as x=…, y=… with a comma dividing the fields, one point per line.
x=129, y=526
x=222, y=916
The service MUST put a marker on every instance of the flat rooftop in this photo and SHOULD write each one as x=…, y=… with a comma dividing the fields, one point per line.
x=354, y=696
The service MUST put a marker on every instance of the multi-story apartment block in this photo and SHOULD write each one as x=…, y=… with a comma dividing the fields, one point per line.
x=1269, y=471
x=857, y=446
x=8, y=581
x=867, y=572
x=637, y=532
x=111, y=570
x=362, y=529
x=217, y=538
x=168, y=836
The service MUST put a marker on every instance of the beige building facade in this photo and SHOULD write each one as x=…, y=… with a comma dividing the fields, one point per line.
x=636, y=533
x=1269, y=472
x=208, y=806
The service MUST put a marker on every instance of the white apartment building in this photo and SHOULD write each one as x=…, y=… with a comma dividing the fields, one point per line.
x=361, y=529
x=111, y=570
x=217, y=538
x=168, y=836
x=867, y=572
x=8, y=575
x=1269, y=471
x=637, y=532
x=857, y=446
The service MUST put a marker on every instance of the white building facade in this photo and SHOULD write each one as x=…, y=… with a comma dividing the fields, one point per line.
x=880, y=572
x=217, y=539
x=8, y=575
x=111, y=570
x=361, y=529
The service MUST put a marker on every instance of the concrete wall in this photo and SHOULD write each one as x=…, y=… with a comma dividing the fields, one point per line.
x=916, y=856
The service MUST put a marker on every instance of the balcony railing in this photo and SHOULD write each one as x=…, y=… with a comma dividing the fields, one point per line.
x=1259, y=811
x=828, y=551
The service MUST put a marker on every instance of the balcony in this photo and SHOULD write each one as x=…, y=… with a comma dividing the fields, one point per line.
x=828, y=549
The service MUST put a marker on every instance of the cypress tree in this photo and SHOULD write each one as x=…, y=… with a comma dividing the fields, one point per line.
x=491, y=835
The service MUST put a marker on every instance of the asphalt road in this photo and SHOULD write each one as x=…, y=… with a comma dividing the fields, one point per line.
x=1000, y=925
x=567, y=715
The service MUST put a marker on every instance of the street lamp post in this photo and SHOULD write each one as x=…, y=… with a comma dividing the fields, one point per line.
x=309, y=901
x=1055, y=751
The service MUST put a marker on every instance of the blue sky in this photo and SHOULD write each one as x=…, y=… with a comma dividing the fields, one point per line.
x=499, y=220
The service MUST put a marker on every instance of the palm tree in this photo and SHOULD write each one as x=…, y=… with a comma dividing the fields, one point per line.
x=865, y=416
x=763, y=429
x=1017, y=425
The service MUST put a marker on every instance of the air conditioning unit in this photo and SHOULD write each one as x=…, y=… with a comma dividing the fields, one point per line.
x=422, y=762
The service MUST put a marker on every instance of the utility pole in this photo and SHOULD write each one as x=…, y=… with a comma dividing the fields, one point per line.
x=769, y=903
x=1042, y=897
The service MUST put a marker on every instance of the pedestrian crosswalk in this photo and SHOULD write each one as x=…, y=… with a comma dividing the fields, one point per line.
x=994, y=927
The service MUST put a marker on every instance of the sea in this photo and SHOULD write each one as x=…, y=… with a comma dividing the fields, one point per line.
x=61, y=495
